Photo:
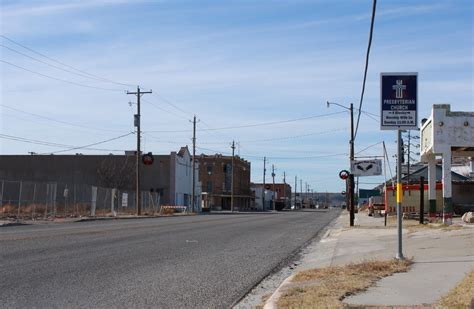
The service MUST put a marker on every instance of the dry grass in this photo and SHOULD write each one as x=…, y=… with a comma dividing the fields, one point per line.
x=327, y=287
x=462, y=296
x=435, y=226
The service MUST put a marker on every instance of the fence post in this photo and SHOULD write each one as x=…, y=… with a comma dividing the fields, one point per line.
x=19, y=201
x=112, y=200
x=34, y=204
x=74, y=209
x=47, y=201
x=54, y=194
x=93, y=201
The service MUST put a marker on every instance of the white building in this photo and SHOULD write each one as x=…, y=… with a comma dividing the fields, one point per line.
x=181, y=180
x=445, y=134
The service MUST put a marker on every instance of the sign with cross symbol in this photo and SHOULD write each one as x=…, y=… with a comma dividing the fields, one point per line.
x=399, y=101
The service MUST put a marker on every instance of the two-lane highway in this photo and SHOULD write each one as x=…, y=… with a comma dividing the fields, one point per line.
x=206, y=261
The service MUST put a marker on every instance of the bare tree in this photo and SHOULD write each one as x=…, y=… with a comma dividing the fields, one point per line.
x=114, y=173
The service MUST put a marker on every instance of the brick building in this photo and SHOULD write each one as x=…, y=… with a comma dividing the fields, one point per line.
x=215, y=174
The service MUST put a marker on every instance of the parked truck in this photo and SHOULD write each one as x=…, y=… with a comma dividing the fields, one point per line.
x=376, y=205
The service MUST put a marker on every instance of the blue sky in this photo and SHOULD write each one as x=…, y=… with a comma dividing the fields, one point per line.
x=231, y=63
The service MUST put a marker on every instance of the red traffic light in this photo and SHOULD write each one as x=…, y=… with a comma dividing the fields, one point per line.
x=344, y=174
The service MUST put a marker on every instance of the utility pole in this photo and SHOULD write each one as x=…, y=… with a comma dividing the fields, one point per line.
x=350, y=180
x=301, y=190
x=263, y=188
x=284, y=187
x=232, y=180
x=193, y=197
x=351, y=176
x=273, y=195
x=296, y=183
x=138, y=93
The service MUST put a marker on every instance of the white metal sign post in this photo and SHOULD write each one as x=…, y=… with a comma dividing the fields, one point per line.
x=398, y=111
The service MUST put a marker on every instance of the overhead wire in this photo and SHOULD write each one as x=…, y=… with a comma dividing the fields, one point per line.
x=58, y=79
x=51, y=144
x=93, y=76
x=93, y=144
x=374, y=5
x=58, y=121
x=252, y=125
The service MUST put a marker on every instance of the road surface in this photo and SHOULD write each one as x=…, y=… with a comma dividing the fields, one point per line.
x=207, y=261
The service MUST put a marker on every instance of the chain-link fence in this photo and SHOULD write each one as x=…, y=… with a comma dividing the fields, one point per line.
x=36, y=200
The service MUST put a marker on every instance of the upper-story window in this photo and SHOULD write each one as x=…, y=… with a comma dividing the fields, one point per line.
x=209, y=169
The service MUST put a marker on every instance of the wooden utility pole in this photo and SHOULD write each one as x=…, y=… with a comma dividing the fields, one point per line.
x=138, y=93
x=296, y=183
x=232, y=180
x=273, y=189
x=301, y=190
x=193, y=196
x=284, y=188
x=264, y=175
x=351, y=176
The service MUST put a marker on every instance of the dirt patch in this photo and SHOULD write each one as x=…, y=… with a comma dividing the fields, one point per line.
x=332, y=284
x=461, y=296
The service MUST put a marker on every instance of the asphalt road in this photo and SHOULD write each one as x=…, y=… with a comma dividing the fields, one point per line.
x=208, y=261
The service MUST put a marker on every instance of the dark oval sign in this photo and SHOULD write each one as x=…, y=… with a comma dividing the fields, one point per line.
x=344, y=174
x=148, y=159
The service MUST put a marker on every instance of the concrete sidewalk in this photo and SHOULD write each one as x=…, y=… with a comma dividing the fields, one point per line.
x=442, y=258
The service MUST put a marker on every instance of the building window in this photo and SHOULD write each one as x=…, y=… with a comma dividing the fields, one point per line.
x=209, y=186
x=209, y=169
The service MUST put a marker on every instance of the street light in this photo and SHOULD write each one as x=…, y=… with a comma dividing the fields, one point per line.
x=351, y=158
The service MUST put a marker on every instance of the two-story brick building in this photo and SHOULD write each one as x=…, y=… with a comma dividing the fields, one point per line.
x=215, y=174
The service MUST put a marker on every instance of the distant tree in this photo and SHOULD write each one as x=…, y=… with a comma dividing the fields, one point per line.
x=115, y=173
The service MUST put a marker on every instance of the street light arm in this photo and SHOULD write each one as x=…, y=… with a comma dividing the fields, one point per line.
x=334, y=103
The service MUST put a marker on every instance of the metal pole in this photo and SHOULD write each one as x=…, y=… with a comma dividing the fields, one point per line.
x=351, y=176
x=194, y=164
x=408, y=158
x=232, y=180
x=399, y=196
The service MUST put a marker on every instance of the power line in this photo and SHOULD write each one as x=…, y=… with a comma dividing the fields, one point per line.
x=49, y=144
x=58, y=79
x=374, y=5
x=253, y=125
x=55, y=120
x=368, y=147
x=164, y=110
x=93, y=76
x=93, y=144
x=48, y=64
x=172, y=104
x=278, y=158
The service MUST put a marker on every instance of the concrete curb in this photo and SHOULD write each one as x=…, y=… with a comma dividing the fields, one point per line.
x=271, y=303
x=12, y=224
